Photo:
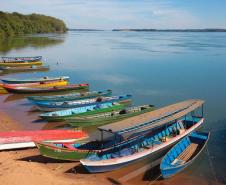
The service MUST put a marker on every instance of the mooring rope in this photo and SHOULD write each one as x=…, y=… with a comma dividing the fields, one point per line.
x=211, y=164
x=152, y=182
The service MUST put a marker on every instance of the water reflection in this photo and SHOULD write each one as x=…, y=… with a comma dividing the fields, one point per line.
x=16, y=43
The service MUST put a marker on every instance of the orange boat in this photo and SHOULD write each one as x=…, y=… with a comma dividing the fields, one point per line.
x=35, y=84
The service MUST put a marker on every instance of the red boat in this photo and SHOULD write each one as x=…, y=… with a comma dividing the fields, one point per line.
x=25, y=139
x=25, y=90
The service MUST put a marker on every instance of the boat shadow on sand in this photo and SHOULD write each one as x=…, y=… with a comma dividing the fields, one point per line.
x=42, y=159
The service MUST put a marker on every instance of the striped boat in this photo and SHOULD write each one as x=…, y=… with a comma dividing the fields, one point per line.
x=32, y=80
x=20, y=61
x=109, y=117
x=30, y=90
x=35, y=84
x=63, y=115
x=8, y=69
x=55, y=106
x=69, y=97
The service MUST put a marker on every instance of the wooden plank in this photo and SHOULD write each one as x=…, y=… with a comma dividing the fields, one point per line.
x=174, y=111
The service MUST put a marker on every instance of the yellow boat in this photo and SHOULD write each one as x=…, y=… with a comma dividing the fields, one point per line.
x=14, y=64
x=36, y=84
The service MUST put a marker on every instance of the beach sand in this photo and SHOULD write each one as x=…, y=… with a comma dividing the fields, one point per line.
x=27, y=167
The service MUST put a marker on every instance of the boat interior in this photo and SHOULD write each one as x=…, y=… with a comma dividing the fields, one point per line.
x=185, y=151
x=148, y=140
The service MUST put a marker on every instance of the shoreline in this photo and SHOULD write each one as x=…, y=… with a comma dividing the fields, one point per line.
x=27, y=165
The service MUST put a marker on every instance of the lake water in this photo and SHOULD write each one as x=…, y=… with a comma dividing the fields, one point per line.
x=157, y=68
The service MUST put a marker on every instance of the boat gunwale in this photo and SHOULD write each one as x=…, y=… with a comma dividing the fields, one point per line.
x=138, y=155
x=190, y=161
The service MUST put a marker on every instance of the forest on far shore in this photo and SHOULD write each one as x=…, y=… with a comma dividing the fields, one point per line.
x=12, y=24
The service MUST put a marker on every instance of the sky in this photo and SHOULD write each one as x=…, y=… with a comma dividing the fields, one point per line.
x=110, y=14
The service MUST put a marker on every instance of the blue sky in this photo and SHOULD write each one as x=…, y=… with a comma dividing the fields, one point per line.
x=108, y=14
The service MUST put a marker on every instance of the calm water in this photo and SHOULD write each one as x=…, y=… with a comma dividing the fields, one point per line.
x=156, y=68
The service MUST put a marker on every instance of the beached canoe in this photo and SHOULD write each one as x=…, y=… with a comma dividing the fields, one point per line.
x=55, y=106
x=32, y=80
x=155, y=133
x=63, y=115
x=68, y=151
x=109, y=117
x=114, y=148
x=7, y=69
x=183, y=153
x=30, y=90
x=25, y=139
x=15, y=64
x=35, y=84
x=69, y=97
x=21, y=59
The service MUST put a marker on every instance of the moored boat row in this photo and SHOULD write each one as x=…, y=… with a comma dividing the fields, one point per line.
x=127, y=134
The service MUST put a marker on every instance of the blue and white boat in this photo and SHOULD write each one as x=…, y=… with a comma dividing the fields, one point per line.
x=183, y=153
x=154, y=132
x=55, y=106
x=63, y=115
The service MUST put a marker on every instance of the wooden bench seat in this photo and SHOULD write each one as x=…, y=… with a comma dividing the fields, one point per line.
x=186, y=154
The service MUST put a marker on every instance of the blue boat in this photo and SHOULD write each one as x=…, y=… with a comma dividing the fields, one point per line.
x=70, y=97
x=55, y=106
x=147, y=137
x=183, y=153
x=63, y=115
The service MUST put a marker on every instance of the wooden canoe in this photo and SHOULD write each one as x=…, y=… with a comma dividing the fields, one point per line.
x=35, y=84
x=183, y=153
x=14, y=64
x=109, y=117
x=24, y=139
x=69, y=97
x=7, y=69
x=30, y=90
x=32, y=80
x=21, y=59
x=63, y=115
x=55, y=106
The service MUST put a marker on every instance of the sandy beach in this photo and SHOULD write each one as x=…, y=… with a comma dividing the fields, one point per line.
x=28, y=167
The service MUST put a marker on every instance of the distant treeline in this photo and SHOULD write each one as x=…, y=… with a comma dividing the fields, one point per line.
x=17, y=24
x=175, y=30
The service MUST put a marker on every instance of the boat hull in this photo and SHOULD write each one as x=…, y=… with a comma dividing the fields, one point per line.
x=15, y=64
x=8, y=69
x=30, y=90
x=70, y=97
x=152, y=154
x=44, y=79
x=53, y=107
x=65, y=117
x=169, y=171
x=101, y=121
x=61, y=153
x=23, y=139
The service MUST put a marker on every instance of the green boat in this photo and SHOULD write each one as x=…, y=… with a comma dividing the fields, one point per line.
x=109, y=117
x=67, y=151
x=63, y=115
